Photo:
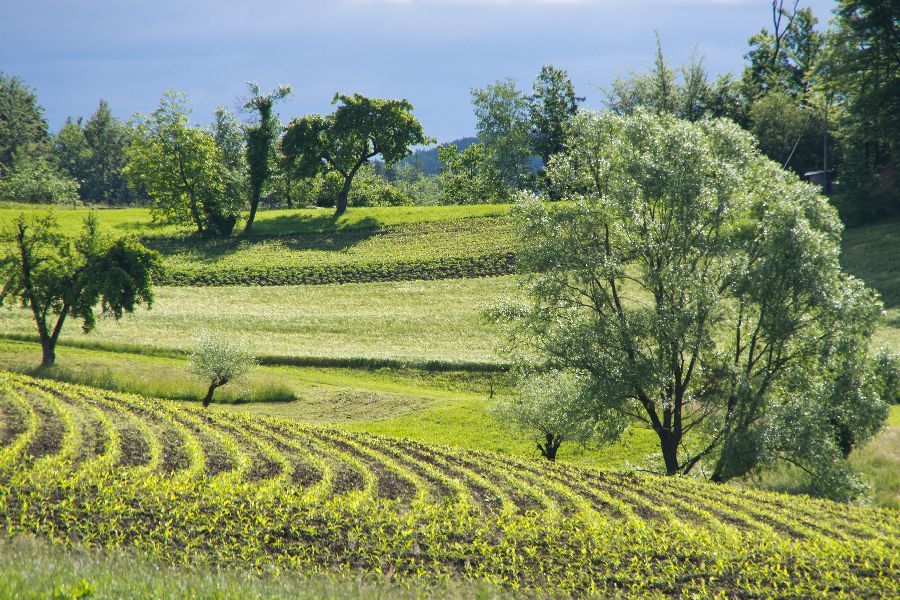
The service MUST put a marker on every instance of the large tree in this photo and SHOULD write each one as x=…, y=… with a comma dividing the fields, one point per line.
x=504, y=126
x=44, y=270
x=863, y=68
x=261, y=138
x=182, y=169
x=551, y=104
x=108, y=139
x=360, y=129
x=23, y=129
x=696, y=286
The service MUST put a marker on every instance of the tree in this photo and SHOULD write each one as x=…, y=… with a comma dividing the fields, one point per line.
x=72, y=152
x=181, y=168
x=360, y=129
x=788, y=132
x=697, y=286
x=230, y=140
x=552, y=408
x=107, y=139
x=786, y=59
x=219, y=361
x=551, y=104
x=503, y=125
x=685, y=92
x=22, y=124
x=863, y=68
x=261, y=139
x=45, y=271
x=470, y=176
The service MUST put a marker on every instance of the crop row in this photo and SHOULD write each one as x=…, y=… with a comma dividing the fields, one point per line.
x=213, y=487
x=450, y=267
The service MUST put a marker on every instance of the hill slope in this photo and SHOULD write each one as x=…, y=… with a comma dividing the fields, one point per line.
x=181, y=485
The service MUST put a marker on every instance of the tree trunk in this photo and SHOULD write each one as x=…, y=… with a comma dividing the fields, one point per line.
x=548, y=449
x=341, y=204
x=254, y=204
x=669, y=444
x=209, y=394
x=48, y=351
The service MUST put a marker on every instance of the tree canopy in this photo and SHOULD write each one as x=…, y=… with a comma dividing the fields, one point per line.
x=696, y=287
x=360, y=129
x=182, y=169
x=45, y=271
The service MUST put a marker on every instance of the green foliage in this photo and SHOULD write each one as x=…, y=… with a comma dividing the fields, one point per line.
x=359, y=129
x=687, y=93
x=219, y=360
x=697, y=286
x=215, y=489
x=37, y=181
x=863, y=68
x=785, y=60
x=45, y=271
x=502, y=116
x=552, y=408
x=23, y=129
x=788, y=133
x=261, y=138
x=73, y=152
x=471, y=176
x=550, y=106
x=182, y=169
x=104, y=180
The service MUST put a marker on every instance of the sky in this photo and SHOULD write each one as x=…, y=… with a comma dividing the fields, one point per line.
x=431, y=52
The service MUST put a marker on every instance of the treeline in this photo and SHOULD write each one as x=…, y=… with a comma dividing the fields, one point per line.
x=824, y=103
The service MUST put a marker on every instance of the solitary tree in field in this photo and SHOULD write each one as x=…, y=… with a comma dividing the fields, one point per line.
x=552, y=408
x=261, y=138
x=218, y=361
x=57, y=278
x=360, y=129
x=695, y=286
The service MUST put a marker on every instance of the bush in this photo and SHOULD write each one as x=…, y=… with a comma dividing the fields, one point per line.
x=36, y=181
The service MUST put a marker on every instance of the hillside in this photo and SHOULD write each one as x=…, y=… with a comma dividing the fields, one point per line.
x=427, y=160
x=311, y=246
x=78, y=465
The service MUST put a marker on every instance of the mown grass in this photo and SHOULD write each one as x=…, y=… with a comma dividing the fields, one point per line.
x=137, y=221
x=312, y=246
x=413, y=321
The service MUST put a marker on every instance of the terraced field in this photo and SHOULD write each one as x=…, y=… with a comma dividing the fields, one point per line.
x=78, y=465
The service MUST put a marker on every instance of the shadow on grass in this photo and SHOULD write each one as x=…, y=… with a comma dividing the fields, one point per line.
x=211, y=250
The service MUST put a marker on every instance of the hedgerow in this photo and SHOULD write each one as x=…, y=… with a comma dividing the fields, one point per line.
x=87, y=467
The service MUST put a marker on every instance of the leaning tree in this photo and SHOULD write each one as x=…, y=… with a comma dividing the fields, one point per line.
x=360, y=129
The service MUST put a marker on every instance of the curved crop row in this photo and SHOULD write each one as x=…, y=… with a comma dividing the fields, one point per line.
x=212, y=487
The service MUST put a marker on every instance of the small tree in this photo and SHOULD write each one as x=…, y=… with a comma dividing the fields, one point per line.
x=56, y=278
x=360, y=129
x=470, y=176
x=219, y=361
x=552, y=408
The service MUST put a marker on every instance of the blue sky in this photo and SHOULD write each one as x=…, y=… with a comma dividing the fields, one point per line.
x=431, y=52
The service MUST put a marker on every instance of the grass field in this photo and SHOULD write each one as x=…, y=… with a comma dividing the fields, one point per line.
x=313, y=247
x=215, y=489
x=413, y=321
